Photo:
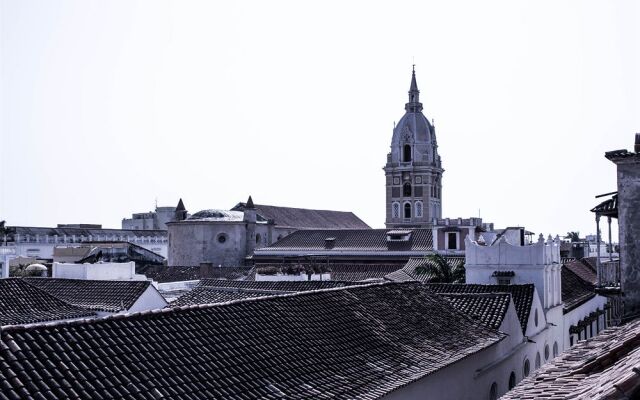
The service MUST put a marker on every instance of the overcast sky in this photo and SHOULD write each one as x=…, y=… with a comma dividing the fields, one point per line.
x=107, y=106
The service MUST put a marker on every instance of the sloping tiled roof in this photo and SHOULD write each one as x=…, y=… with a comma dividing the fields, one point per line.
x=212, y=295
x=489, y=308
x=352, y=239
x=603, y=367
x=302, y=218
x=583, y=269
x=575, y=291
x=522, y=295
x=110, y=296
x=192, y=273
x=21, y=303
x=287, y=286
x=364, y=342
x=409, y=270
x=608, y=207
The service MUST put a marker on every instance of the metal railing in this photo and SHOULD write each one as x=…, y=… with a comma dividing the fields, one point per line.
x=609, y=274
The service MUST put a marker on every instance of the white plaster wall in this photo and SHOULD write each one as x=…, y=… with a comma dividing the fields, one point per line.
x=99, y=271
x=151, y=299
x=159, y=248
x=578, y=313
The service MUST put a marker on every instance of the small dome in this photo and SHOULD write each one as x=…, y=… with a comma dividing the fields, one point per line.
x=217, y=215
x=36, y=267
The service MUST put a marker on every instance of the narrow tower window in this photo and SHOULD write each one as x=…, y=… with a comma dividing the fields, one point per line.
x=396, y=210
x=418, y=209
x=406, y=189
x=407, y=210
x=406, y=153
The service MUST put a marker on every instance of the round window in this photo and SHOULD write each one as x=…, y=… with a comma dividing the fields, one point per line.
x=546, y=352
x=512, y=380
x=526, y=368
x=222, y=238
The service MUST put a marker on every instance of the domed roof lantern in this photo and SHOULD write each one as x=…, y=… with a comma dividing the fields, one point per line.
x=414, y=104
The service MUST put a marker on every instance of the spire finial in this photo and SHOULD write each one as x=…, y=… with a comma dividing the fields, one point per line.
x=414, y=94
x=249, y=205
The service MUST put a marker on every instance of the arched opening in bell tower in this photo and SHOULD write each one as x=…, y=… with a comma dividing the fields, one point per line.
x=406, y=189
x=406, y=153
x=407, y=210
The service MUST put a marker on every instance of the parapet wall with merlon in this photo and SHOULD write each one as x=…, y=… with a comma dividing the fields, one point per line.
x=503, y=253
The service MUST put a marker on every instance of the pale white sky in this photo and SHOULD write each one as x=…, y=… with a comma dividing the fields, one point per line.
x=107, y=105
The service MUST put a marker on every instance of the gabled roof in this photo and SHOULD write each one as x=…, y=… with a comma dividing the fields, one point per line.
x=350, y=240
x=488, y=308
x=302, y=218
x=110, y=296
x=363, y=342
x=522, y=295
x=575, y=290
x=603, y=367
x=415, y=269
x=21, y=303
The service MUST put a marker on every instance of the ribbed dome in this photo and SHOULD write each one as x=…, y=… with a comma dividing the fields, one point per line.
x=413, y=127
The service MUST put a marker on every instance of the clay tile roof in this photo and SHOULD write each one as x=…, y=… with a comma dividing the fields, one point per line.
x=288, y=286
x=363, y=342
x=489, y=308
x=22, y=303
x=575, y=290
x=345, y=271
x=212, y=295
x=372, y=240
x=110, y=296
x=193, y=273
x=409, y=271
x=522, y=295
x=604, y=367
x=302, y=218
x=583, y=269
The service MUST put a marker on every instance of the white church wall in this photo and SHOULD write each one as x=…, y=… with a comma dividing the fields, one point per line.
x=579, y=313
x=98, y=271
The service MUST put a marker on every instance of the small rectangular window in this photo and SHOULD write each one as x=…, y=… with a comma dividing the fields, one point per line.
x=452, y=241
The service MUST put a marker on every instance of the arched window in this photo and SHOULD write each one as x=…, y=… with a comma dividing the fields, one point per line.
x=406, y=153
x=406, y=189
x=493, y=392
x=555, y=349
x=407, y=210
x=395, y=210
x=512, y=380
x=526, y=368
x=537, y=360
x=546, y=352
x=418, y=209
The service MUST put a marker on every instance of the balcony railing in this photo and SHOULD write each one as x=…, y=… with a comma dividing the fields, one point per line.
x=609, y=277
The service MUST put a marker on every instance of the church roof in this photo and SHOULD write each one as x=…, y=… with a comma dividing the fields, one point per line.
x=488, y=308
x=217, y=215
x=603, y=367
x=344, y=241
x=302, y=218
x=364, y=342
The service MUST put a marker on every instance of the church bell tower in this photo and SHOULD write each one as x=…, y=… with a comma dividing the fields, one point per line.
x=413, y=171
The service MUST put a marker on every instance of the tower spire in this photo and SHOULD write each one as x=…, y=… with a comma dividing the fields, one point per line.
x=414, y=104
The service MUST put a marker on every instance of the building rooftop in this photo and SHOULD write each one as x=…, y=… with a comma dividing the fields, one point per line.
x=522, y=295
x=488, y=308
x=340, y=271
x=604, y=367
x=86, y=232
x=302, y=218
x=213, y=295
x=192, y=273
x=364, y=342
x=22, y=303
x=575, y=290
x=287, y=286
x=109, y=296
x=417, y=269
x=350, y=240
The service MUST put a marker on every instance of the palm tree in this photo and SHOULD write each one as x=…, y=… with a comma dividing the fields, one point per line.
x=573, y=236
x=437, y=269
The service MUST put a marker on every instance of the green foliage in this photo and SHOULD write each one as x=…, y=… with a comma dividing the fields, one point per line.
x=439, y=270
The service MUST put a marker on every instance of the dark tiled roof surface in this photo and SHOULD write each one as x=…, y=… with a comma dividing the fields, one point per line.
x=489, y=308
x=287, y=286
x=21, y=303
x=607, y=207
x=575, y=291
x=346, y=271
x=583, y=269
x=409, y=270
x=110, y=296
x=188, y=273
x=212, y=295
x=604, y=367
x=352, y=239
x=522, y=295
x=302, y=218
x=364, y=342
